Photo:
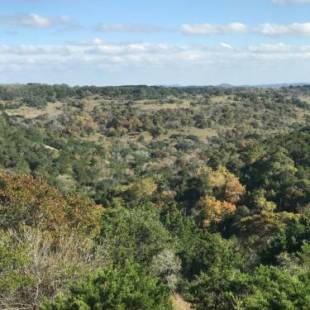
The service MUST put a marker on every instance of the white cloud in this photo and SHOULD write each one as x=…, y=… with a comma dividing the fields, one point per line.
x=212, y=29
x=289, y=29
x=270, y=48
x=225, y=45
x=268, y=29
x=128, y=28
x=98, y=61
x=99, y=52
x=34, y=20
x=290, y=1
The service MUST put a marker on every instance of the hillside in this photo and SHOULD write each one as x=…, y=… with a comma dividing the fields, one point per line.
x=140, y=197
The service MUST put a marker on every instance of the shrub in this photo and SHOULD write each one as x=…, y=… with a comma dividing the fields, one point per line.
x=129, y=288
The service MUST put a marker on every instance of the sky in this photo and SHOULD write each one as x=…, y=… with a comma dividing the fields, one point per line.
x=155, y=42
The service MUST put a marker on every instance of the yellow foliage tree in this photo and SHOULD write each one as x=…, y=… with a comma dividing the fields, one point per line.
x=226, y=186
x=213, y=211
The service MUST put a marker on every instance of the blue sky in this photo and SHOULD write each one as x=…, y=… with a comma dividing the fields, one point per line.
x=114, y=42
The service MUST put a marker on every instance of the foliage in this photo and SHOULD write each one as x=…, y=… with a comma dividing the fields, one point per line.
x=167, y=266
x=205, y=193
x=110, y=288
x=265, y=288
x=45, y=240
x=25, y=200
x=136, y=234
x=213, y=211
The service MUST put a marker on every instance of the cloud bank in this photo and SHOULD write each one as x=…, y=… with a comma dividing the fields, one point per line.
x=34, y=20
x=103, y=63
x=267, y=29
x=211, y=29
x=99, y=52
x=290, y=29
x=133, y=28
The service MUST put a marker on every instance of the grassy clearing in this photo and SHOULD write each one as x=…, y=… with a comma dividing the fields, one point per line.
x=89, y=104
x=305, y=99
x=153, y=106
x=220, y=99
x=52, y=110
x=202, y=134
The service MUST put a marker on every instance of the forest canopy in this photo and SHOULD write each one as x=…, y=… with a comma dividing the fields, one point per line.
x=140, y=197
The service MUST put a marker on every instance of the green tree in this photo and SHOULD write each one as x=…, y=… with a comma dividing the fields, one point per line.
x=129, y=288
x=134, y=233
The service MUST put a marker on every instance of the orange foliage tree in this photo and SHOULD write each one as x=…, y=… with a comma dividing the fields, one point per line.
x=213, y=211
x=25, y=200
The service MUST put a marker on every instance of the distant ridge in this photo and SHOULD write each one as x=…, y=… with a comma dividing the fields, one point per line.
x=223, y=85
x=279, y=85
x=227, y=85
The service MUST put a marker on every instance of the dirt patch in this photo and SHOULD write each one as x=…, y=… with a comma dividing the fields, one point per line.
x=179, y=303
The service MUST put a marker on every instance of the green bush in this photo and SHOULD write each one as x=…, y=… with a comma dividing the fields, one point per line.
x=267, y=288
x=129, y=288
